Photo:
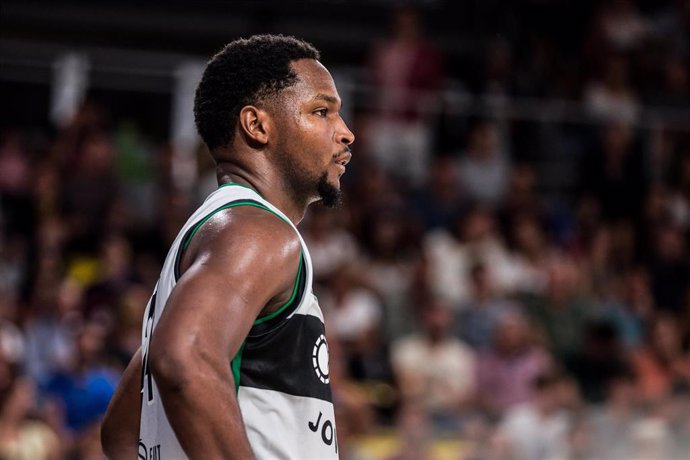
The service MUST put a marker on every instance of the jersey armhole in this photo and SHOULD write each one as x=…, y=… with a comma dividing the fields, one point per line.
x=265, y=322
x=294, y=299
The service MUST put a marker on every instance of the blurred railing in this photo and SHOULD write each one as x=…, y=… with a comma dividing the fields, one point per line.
x=71, y=72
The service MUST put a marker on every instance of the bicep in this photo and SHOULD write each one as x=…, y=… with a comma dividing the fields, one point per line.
x=206, y=311
x=212, y=308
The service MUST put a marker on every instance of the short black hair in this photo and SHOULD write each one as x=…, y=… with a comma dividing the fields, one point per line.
x=244, y=72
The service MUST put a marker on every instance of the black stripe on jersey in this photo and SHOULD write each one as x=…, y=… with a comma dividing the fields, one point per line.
x=289, y=359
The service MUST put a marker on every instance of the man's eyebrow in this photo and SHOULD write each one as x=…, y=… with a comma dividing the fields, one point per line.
x=327, y=98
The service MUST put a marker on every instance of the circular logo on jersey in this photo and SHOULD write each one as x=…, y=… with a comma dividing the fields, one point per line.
x=319, y=358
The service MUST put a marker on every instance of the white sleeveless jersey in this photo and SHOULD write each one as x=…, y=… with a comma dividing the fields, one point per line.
x=281, y=371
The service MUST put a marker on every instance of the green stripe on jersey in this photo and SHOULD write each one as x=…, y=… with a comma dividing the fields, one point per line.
x=235, y=365
x=292, y=297
x=190, y=235
x=196, y=228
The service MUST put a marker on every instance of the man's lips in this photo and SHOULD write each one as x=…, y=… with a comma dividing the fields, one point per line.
x=344, y=157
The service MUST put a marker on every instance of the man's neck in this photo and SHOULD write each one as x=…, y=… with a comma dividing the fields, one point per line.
x=267, y=184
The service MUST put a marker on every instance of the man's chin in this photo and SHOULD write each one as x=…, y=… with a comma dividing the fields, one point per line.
x=330, y=194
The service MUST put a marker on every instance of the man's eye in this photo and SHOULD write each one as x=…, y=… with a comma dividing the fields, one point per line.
x=321, y=112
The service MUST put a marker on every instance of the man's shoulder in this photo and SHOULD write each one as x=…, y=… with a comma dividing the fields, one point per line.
x=246, y=233
x=248, y=224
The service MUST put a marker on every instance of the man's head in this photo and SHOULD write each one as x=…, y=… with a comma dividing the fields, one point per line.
x=269, y=93
x=245, y=72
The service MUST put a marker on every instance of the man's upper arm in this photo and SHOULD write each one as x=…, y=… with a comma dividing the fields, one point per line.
x=239, y=263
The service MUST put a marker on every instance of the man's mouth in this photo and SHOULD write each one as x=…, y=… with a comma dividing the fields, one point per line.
x=343, y=158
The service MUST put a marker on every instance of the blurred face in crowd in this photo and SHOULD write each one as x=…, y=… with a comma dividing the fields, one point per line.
x=19, y=399
x=669, y=243
x=512, y=333
x=479, y=224
x=622, y=391
x=617, y=141
x=91, y=341
x=481, y=282
x=561, y=282
x=69, y=297
x=97, y=153
x=406, y=25
x=436, y=319
x=523, y=181
x=116, y=255
x=484, y=143
x=637, y=287
x=444, y=178
x=528, y=236
x=665, y=338
x=387, y=233
x=549, y=395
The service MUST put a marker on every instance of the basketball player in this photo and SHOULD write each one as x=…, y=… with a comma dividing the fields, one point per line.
x=234, y=361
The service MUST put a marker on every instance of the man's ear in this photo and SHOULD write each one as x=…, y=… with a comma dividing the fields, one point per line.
x=255, y=123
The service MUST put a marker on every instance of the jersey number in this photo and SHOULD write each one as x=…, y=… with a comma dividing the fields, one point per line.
x=146, y=378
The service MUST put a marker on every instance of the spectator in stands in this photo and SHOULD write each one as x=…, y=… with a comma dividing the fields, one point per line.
x=50, y=330
x=669, y=269
x=405, y=69
x=561, y=313
x=388, y=266
x=611, y=424
x=506, y=371
x=599, y=360
x=613, y=174
x=15, y=181
x=615, y=26
x=531, y=256
x=661, y=365
x=370, y=366
x=539, y=428
x=522, y=199
x=484, y=165
x=434, y=368
x=125, y=339
x=112, y=277
x=354, y=415
x=450, y=255
x=351, y=310
x=22, y=436
x=90, y=192
x=477, y=319
x=679, y=204
x=330, y=245
x=415, y=430
x=675, y=92
x=612, y=97
x=439, y=201
x=83, y=390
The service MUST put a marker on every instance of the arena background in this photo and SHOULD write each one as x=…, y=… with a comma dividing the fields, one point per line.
x=508, y=277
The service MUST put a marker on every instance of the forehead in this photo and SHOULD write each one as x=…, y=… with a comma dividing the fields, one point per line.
x=312, y=79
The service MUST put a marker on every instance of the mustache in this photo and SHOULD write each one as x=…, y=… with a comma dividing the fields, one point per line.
x=343, y=157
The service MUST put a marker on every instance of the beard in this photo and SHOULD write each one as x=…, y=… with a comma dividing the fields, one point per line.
x=302, y=183
x=331, y=196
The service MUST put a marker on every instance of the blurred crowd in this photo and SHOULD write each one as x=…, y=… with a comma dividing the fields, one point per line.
x=520, y=285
